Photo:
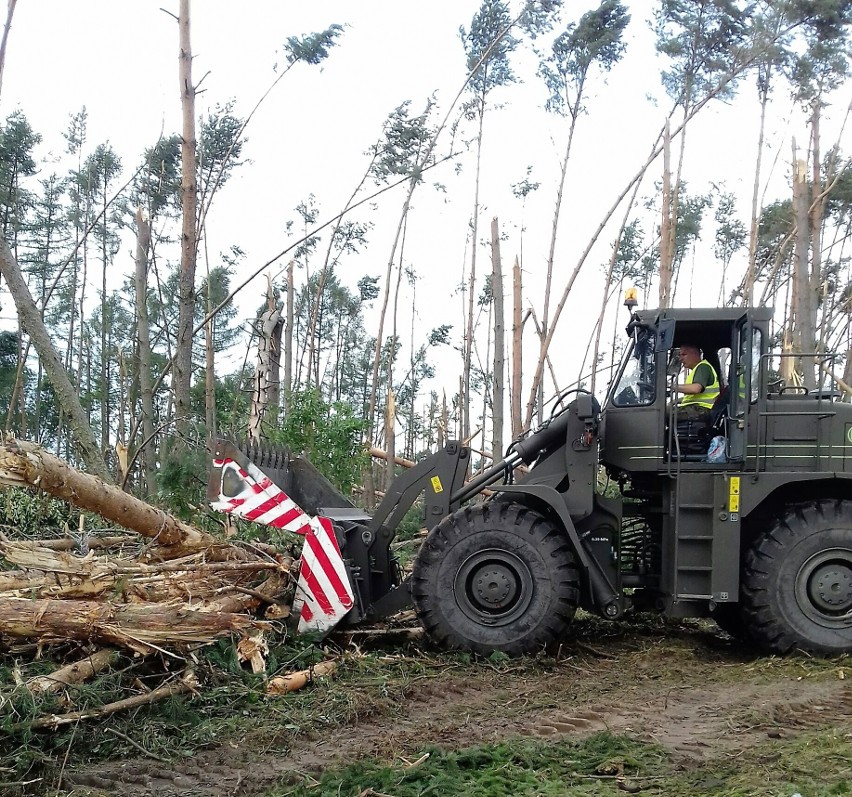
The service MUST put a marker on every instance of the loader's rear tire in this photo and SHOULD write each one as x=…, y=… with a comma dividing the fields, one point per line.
x=498, y=576
x=797, y=585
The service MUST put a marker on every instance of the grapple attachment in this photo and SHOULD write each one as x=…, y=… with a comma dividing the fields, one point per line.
x=249, y=483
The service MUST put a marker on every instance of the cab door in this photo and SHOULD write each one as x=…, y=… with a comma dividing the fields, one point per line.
x=744, y=387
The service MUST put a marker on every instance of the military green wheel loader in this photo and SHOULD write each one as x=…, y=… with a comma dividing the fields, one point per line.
x=619, y=509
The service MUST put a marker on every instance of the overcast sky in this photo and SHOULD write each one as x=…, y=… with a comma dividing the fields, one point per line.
x=119, y=59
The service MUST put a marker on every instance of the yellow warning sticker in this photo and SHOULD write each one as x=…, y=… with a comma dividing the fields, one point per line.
x=436, y=484
x=734, y=495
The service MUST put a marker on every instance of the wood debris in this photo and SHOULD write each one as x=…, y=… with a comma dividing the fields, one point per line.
x=75, y=673
x=254, y=650
x=185, y=587
x=282, y=684
x=185, y=685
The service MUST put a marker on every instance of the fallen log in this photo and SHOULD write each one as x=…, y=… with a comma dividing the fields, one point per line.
x=48, y=573
x=31, y=557
x=75, y=673
x=187, y=588
x=24, y=464
x=140, y=627
x=91, y=542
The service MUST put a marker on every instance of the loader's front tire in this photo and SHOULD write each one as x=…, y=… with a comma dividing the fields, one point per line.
x=797, y=585
x=498, y=576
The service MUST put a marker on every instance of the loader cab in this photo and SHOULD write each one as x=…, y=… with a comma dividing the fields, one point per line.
x=642, y=427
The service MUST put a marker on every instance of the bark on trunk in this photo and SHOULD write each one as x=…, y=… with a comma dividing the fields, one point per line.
x=804, y=311
x=268, y=344
x=146, y=391
x=517, y=351
x=9, y=14
x=189, y=236
x=68, y=397
x=275, y=371
x=75, y=673
x=143, y=628
x=390, y=438
x=666, y=228
x=46, y=573
x=25, y=464
x=210, y=375
x=288, y=338
x=499, y=342
x=751, y=274
x=471, y=288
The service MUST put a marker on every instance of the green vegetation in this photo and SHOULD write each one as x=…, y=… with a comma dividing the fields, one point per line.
x=474, y=716
x=815, y=764
x=328, y=433
x=26, y=515
x=509, y=769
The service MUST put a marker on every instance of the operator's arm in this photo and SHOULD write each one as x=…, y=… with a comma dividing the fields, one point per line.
x=695, y=387
x=700, y=379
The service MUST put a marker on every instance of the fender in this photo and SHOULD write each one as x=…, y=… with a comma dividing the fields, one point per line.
x=601, y=592
x=763, y=485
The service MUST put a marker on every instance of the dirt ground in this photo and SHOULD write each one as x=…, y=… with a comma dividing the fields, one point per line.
x=688, y=687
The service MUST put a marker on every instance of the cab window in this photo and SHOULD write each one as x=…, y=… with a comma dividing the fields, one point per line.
x=636, y=385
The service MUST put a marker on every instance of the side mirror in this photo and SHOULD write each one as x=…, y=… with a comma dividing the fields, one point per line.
x=665, y=334
x=674, y=366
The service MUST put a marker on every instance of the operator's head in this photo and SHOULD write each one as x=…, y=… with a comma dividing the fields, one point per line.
x=690, y=355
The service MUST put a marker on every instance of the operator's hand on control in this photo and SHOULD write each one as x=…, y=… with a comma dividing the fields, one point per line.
x=694, y=387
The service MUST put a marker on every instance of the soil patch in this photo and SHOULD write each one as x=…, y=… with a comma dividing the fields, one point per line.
x=689, y=689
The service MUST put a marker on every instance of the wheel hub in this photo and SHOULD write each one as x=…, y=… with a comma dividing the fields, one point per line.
x=824, y=587
x=831, y=587
x=493, y=587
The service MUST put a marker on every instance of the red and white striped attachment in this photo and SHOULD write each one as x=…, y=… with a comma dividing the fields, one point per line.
x=323, y=592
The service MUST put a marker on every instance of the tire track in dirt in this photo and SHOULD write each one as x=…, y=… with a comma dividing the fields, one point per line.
x=694, y=711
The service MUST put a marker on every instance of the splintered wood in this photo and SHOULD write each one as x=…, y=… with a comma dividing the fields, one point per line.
x=183, y=588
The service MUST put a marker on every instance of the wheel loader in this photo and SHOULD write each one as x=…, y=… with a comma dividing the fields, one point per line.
x=615, y=509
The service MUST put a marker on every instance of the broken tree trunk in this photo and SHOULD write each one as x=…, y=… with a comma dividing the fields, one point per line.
x=282, y=684
x=187, y=589
x=47, y=573
x=26, y=464
x=143, y=628
x=68, y=398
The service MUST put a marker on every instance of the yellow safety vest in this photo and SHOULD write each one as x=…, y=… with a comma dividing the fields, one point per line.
x=710, y=394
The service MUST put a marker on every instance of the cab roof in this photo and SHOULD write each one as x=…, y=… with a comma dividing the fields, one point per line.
x=708, y=328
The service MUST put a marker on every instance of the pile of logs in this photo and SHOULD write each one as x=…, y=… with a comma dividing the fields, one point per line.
x=166, y=589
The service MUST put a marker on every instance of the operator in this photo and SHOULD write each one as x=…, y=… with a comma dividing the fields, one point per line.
x=701, y=387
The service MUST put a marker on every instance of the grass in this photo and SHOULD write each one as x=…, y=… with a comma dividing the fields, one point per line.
x=514, y=768
x=813, y=765
x=231, y=704
x=621, y=660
